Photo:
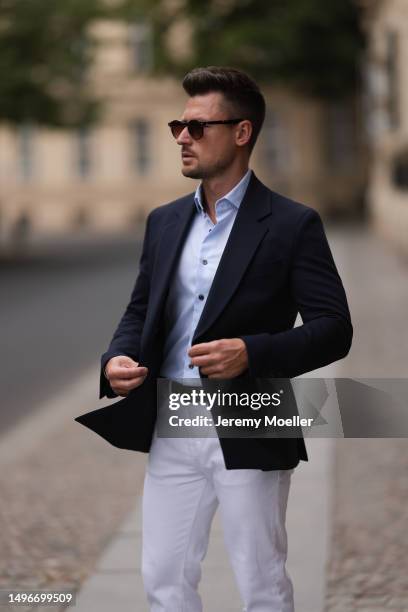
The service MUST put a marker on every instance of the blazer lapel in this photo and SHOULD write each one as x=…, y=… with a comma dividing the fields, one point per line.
x=246, y=234
x=171, y=241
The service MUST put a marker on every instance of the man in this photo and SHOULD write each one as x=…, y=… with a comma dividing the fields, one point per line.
x=223, y=274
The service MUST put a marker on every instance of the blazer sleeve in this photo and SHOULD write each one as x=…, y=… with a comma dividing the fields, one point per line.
x=326, y=333
x=126, y=339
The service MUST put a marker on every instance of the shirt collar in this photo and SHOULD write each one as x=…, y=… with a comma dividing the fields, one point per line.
x=235, y=196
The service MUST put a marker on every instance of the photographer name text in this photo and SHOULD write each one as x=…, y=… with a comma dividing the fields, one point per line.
x=255, y=423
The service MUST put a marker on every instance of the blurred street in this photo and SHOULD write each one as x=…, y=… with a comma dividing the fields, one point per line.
x=60, y=302
x=80, y=491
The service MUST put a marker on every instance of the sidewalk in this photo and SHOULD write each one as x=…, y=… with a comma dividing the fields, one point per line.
x=367, y=570
x=117, y=584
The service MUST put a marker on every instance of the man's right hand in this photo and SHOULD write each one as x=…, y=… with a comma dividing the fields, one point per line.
x=124, y=374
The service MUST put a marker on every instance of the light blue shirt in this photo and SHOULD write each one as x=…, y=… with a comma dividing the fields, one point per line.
x=193, y=278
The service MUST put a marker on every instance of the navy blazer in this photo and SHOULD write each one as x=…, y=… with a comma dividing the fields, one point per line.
x=277, y=263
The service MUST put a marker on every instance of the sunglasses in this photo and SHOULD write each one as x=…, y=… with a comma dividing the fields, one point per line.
x=196, y=128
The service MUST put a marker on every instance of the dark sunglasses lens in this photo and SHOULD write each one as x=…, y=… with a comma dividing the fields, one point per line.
x=195, y=129
x=176, y=128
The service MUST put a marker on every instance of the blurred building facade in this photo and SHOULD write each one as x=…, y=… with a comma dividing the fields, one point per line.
x=109, y=176
x=386, y=101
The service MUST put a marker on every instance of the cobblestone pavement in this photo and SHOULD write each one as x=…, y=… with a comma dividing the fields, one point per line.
x=368, y=568
x=61, y=501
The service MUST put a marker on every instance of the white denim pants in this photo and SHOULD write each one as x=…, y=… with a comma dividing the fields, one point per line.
x=185, y=481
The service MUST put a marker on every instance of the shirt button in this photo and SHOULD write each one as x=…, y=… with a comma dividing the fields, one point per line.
x=201, y=297
x=191, y=366
x=205, y=262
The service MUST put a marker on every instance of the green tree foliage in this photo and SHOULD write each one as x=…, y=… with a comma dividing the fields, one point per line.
x=44, y=53
x=311, y=45
x=45, y=49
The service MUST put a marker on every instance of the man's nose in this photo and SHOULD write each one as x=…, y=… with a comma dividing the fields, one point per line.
x=184, y=137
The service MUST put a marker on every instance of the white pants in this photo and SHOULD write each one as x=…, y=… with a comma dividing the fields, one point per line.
x=185, y=481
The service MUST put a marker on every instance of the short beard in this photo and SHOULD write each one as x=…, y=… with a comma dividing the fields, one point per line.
x=210, y=172
x=195, y=173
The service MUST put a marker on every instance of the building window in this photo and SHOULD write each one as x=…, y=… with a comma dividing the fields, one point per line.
x=400, y=171
x=26, y=151
x=80, y=50
x=392, y=61
x=340, y=135
x=275, y=142
x=83, y=152
x=141, y=146
x=141, y=47
x=375, y=119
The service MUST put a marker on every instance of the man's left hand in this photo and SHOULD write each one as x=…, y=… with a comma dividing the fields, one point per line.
x=225, y=358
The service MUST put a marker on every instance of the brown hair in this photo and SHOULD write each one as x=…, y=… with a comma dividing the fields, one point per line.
x=241, y=92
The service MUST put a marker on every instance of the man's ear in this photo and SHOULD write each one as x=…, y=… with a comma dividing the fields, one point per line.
x=243, y=133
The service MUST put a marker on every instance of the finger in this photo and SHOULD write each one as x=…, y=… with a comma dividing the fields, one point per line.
x=127, y=362
x=136, y=372
x=205, y=360
x=209, y=371
x=202, y=349
x=128, y=373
